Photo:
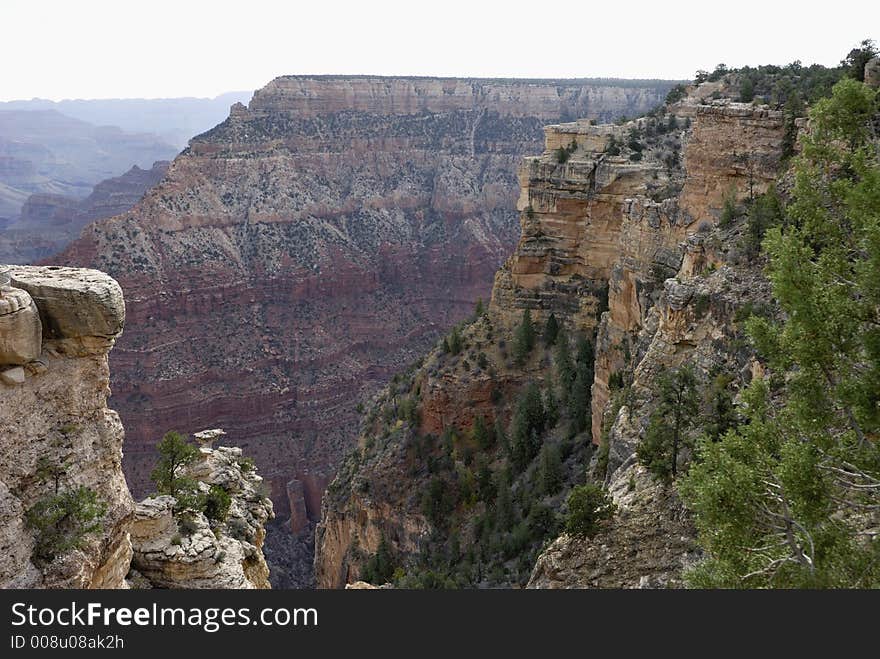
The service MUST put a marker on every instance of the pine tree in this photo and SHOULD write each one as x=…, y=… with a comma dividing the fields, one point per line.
x=588, y=507
x=551, y=407
x=380, y=567
x=565, y=373
x=721, y=414
x=551, y=330
x=524, y=338
x=61, y=522
x=485, y=481
x=174, y=454
x=504, y=517
x=857, y=58
x=585, y=353
x=482, y=434
x=579, y=401
x=455, y=341
x=579, y=398
x=527, y=427
x=667, y=430
x=551, y=469
x=794, y=109
x=746, y=90
x=501, y=436
x=785, y=499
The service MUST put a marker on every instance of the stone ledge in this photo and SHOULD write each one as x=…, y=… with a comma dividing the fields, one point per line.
x=73, y=302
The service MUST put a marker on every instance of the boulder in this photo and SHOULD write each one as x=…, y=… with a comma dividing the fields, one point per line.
x=73, y=302
x=21, y=333
x=872, y=73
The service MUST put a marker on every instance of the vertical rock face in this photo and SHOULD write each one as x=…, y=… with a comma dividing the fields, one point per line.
x=618, y=243
x=312, y=244
x=872, y=72
x=173, y=552
x=651, y=538
x=57, y=326
x=601, y=232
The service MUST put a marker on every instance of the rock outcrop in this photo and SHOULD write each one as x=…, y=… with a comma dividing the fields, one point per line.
x=305, y=249
x=61, y=447
x=602, y=233
x=620, y=242
x=174, y=550
x=57, y=326
x=872, y=72
x=648, y=542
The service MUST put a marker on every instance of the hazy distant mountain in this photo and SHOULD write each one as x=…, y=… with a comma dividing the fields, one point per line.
x=48, y=222
x=175, y=120
x=46, y=152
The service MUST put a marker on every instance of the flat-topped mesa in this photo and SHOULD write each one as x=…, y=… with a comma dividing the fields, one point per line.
x=57, y=326
x=310, y=96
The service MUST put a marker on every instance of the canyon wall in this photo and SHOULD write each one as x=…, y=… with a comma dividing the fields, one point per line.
x=621, y=244
x=68, y=519
x=311, y=245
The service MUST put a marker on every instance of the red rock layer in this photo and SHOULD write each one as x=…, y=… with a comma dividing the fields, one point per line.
x=298, y=254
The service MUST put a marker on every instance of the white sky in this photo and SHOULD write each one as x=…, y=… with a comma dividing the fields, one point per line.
x=161, y=48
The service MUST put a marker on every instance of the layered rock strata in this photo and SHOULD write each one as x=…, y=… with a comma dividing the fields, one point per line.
x=620, y=242
x=312, y=244
x=601, y=232
x=57, y=326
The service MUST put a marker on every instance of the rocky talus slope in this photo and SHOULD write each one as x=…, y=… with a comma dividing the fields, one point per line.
x=308, y=247
x=621, y=244
x=170, y=552
x=57, y=326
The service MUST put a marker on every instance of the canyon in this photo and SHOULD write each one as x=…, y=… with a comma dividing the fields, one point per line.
x=301, y=252
x=621, y=243
x=46, y=152
x=174, y=120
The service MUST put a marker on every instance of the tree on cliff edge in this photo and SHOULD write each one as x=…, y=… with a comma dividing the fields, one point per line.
x=673, y=417
x=792, y=497
x=174, y=454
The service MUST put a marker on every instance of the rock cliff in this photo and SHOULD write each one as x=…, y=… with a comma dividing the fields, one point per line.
x=68, y=519
x=305, y=249
x=173, y=552
x=57, y=326
x=621, y=244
